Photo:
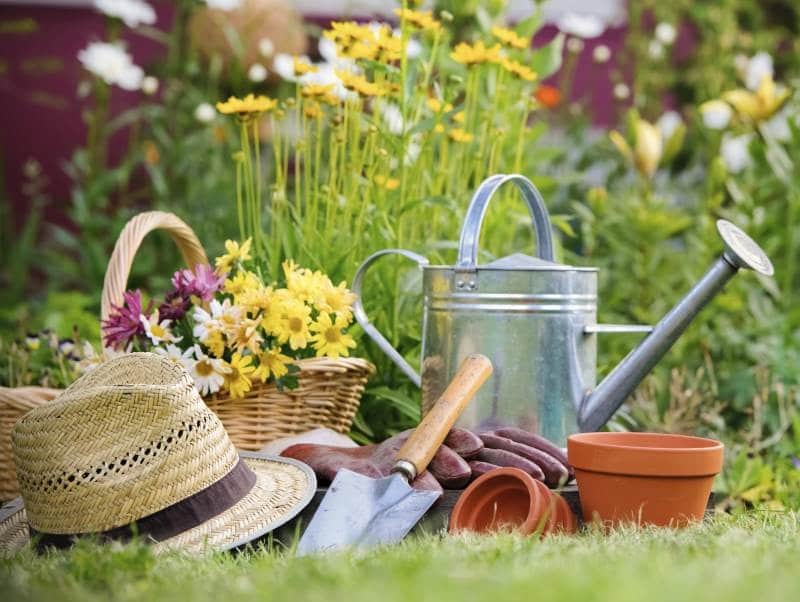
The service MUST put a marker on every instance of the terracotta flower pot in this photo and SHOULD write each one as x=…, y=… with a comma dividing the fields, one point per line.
x=508, y=498
x=646, y=478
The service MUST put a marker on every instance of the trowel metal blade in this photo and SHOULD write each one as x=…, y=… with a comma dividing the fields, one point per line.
x=360, y=511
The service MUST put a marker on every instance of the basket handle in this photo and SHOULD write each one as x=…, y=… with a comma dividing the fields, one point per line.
x=139, y=226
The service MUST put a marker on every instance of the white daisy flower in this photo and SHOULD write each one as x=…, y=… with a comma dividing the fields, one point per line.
x=601, y=54
x=666, y=33
x=205, y=113
x=157, y=331
x=257, y=73
x=112, y=64
x=226, y=315
x=207, y=372
x=172, y=352
x=131, y=12
x=204, y=324
x=266, y=47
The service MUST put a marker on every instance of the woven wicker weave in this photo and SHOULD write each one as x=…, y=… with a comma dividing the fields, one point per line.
x=329, y=390
x=14, y=404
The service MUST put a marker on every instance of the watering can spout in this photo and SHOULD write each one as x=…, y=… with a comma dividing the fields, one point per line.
x=596, y=407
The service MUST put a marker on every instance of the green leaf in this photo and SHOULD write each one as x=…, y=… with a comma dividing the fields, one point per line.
x=547, y=59
x=527, y=27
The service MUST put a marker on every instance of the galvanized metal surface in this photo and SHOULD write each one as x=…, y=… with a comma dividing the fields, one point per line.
x=360, y=511
x=536, y=320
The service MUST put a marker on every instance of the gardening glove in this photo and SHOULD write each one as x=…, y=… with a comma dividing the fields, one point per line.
x=447, y=469
x=509, y=446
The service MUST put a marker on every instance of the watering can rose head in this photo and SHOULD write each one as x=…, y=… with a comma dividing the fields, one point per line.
x=228, y=327
x=536, y=320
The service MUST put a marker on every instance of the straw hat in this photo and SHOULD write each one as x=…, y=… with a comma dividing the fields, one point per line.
x=131, y=447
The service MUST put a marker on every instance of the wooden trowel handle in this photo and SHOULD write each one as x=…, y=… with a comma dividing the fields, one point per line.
x=417, y=452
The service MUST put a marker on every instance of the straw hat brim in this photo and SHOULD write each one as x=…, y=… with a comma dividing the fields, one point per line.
x=283, y=488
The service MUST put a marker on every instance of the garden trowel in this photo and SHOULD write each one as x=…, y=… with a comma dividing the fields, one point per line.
x=360, y=511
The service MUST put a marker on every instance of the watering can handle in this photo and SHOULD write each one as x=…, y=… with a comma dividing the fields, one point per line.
x=471, y=231
x=363, y=319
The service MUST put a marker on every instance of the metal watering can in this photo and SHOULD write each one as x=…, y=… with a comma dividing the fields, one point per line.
x=537, y=321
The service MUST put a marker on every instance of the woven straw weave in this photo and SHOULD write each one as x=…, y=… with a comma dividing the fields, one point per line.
x=329, y=390
x=14, y=404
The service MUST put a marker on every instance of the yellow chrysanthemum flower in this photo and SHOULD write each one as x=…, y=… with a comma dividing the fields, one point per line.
x=243, y=281
x=337, y=300
x=312, y=110
x=235, y=254
x=237, y=380
x=360, y=84
x=390, y=46
x=249, y=104
x=302, y=66
x=437, y=106
x=303, y=283
x=509, y=37
x=293, y=325
x=329, y=338
x=518, y=69
x=245, y=335
x=460, y=135
x=420, y=19
x=256, y=299
x=272, y=363
x=215, y=342
x=468, y=54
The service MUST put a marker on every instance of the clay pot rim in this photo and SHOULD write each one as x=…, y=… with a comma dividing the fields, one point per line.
x=628, y=454
x=461, y=518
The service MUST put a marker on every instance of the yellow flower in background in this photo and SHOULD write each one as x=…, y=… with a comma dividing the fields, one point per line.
x=760, y=105
x=420, y=19
x=215, y=343
x=648, y=147
x=302, y=66
x=303, y=283
x=321, y=92
x=272, y=363
x=509, y=37
x=345, y=32
x=312, y=110
x=248, y=104
x=328, y=338
x=237, y=380
x=387, y=183
x=437, y=106
x=438, y=128
x=518, y=69
x=360, y=84
x=235, y=254
x=460, y=135
x=459, y=117
x=360, y=50
x=468, y=54
x=390, y=46
x=241, y=282
x=293, y=325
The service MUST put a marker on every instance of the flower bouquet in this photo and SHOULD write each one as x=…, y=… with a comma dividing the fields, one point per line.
x=269, y=357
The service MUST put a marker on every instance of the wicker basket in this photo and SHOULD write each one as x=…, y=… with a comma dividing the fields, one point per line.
x=14, y=404
x=329, y=390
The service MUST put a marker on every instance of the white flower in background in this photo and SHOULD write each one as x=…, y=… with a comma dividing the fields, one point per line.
x=149, y=85
x=156, y=331
x=758, y=66
x=413, y=150
x=207, y=372
x=131, y=12
x=582, y=26
x=621, y=91
x=716, y=114
x=668, y=123
x=392, y=117
x=325, y=75
x=266, y=48
x=655, y=49
x=224, y=4
x=601, y=54
x=328, y=51
x=283, y=65
x=205, y=113
x=777, y=127
x=413, y=47
x=666, y=33
x=575, y=45
x=735, y=152
x=112, y=64
x=257, y=73
x=204, y=324
x=172, y=352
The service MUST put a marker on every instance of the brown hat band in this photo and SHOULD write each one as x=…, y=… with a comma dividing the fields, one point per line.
x=172, y=520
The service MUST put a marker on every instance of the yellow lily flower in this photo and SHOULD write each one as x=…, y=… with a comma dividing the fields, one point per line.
x=648, y=146
x=759, y=105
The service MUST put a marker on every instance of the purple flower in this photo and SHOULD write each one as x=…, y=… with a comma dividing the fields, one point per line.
x=203, y=282
x=174, y=306
x=124, y=323
x=796, y=462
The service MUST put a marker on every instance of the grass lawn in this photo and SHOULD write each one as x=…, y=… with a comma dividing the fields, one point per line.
x=755, y=557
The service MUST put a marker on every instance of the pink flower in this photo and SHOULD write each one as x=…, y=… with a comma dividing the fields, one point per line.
x=124, y=324
x=203, y=282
